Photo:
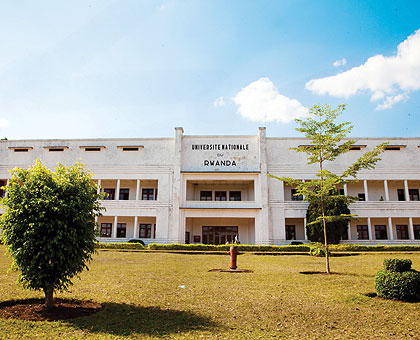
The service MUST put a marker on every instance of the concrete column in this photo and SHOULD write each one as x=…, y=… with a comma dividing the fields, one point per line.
x=365, y=186
x=304, y=229
x=386, y=190
x=345, y=188
x=138, y=190
x=136, y=226
x=117, y=191
x=263, y=228
x=390, y=233
x=282, y=191
x=99, y=187
x=349, y=231
x=410, y=228
x=406, y=193
x=176, y=232
x=114, y=227
x=370, y=229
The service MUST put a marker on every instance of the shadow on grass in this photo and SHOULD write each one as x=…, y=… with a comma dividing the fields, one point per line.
x=125, y=320
x=334, y=273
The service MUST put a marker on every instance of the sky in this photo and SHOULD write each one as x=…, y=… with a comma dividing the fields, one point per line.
x=137, y=69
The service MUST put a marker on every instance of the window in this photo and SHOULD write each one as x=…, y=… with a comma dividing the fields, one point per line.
x=130, y=148
x=413, y=194
x=55, y=149
x=234, y=196
x=296, y=197
x=124, y=194
x=362, y=197
x=380, y=232
x=106, y=229
x=2, y=183
x=147, y=194
x=121, y=229
x=416, y=232
x=341, y=191
x=290, y=232
x=21, y=150
x=145, y=231
x=206, y=195
x=393, y=147
x=219, y=235
x=401, y=194
x=362, y=232
x=109, y=194
x=220, y=196
x=402, y=232
x=92, y=149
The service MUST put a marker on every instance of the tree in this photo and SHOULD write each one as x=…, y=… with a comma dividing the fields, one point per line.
x=337, y=206
x=49, y=225
x=327, y=137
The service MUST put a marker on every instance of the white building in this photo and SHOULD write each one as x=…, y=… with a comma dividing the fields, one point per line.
x=207, y=189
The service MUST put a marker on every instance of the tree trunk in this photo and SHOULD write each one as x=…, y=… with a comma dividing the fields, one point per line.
x=49, y=291
x=327, y=258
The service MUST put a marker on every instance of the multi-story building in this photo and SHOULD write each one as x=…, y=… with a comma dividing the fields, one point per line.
x=208, y=189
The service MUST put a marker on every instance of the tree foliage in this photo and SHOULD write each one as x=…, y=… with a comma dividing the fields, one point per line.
x=49, y=224
x=338, y=206
x=327, y=143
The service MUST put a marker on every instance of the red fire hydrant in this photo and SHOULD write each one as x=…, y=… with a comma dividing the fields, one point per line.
x=233, y=255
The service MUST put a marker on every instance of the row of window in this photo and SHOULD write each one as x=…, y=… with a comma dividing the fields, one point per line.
x=145, y=230
x=86, y=148
x=413, y=195
x=148, y=194
x=220, y=196
x=381, y=232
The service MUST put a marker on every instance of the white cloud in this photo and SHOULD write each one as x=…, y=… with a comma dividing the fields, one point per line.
x=340, y=62
x=385, y=77
x=391, y=100
x=260, y=101
x=3, y=123
x=219, y=102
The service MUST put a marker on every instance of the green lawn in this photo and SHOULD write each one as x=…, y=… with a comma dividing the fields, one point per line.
x=142, y=299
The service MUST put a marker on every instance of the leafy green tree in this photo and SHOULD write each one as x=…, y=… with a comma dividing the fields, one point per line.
x=49, y=225
x=335, y=205
x=327, y=144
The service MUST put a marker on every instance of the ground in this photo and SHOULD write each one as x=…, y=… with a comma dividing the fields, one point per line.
x=174, y=296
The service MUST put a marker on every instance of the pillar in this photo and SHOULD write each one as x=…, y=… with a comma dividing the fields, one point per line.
x=345, y=188
x=349, y=230
x=99, y=187
x=136, y=226
x=390, y=233
x=114, y=227
x=370, y=228
x=365, y=186
x=117, y=193
x=410, y=228
x=282, y=191
x=386, y=190
x=138, y=190
x=406, y=192
x=304, y=229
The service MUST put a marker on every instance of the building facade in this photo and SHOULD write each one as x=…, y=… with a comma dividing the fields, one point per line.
x=209, y=189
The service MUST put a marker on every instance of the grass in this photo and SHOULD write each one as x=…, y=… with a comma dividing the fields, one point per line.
x=142, y=299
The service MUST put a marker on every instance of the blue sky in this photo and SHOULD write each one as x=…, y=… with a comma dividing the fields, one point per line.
x=126, y=68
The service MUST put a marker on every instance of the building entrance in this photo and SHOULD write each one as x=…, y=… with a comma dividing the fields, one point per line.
x=219, y=235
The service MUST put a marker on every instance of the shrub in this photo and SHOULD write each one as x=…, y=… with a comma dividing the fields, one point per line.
x=134, y=240
x=134, y=246
x=397, y=265
x=397, y=281
x=318, y=250
x=241, y=247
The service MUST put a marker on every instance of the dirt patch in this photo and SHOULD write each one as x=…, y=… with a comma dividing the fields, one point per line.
x=231, y=270
x=34, y=309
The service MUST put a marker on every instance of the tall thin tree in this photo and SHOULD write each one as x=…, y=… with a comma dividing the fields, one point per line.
x=328, y=141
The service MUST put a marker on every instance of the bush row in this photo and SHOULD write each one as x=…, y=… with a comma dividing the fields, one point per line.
x=254, y=248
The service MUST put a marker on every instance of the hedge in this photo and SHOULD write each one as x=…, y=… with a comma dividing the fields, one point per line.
x=255, y=248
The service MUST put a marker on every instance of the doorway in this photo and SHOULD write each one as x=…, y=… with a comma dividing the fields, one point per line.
x=219, y=235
